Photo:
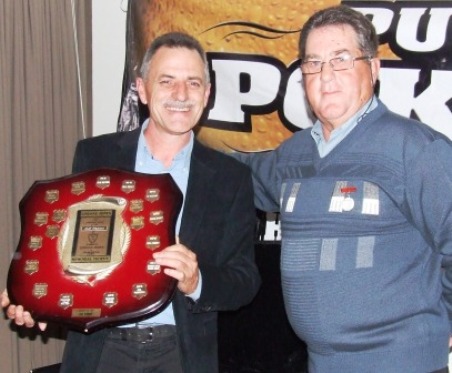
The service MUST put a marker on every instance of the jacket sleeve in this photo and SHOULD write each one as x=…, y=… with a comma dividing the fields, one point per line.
x=230, y=278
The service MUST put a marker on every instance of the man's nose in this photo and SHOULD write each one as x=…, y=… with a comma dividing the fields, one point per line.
x=180, y=91
x=327, y=72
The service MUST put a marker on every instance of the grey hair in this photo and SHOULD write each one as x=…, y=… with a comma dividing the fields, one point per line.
x=342, y=15
x=174, y=40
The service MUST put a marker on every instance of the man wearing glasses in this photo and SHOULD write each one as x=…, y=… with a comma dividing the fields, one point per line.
x=365, y=199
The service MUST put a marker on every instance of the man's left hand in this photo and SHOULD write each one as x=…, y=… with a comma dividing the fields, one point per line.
x=182, y=264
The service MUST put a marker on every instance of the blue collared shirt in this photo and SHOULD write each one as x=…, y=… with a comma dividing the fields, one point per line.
x=338, y=134
x=179, y=170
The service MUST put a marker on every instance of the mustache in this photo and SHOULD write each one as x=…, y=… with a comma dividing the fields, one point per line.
x=178, y=104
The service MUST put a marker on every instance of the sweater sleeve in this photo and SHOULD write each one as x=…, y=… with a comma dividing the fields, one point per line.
x=429, y=196
x=265, y=181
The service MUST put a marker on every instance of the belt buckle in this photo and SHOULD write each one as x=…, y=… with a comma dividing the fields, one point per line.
x=144, y=336
x=149, y=336
x=124, y=334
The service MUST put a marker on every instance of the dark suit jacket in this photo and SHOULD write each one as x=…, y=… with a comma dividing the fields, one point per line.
x=217, y=224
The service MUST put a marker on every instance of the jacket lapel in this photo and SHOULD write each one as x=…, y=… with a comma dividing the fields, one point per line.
x=199, y=182
x=198, y=194
x=128, y=150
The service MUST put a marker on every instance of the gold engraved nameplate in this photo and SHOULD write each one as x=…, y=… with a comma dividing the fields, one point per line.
x=85, y=255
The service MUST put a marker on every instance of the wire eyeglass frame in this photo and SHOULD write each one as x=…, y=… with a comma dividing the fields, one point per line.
x=342, y=62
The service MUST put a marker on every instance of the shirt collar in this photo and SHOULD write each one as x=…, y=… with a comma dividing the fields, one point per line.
x=338, y=134
x=180, y=161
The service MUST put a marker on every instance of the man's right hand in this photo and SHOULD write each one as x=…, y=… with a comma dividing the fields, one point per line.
x=18, y=314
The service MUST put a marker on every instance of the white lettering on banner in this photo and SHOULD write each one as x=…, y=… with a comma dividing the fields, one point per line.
x=397, y=91
x=381, y=18
x=430, y=106
x=418, y=85
x=253, y=83
x=408, y=24
x=435, y=30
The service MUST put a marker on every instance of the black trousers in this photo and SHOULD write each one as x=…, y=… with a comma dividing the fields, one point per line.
x=133, y=350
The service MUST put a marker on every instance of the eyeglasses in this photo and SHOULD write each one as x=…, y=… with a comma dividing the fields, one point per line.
x=343, y=62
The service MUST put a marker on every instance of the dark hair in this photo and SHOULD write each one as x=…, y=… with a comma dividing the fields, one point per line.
x=342, y=15
x=173, y=40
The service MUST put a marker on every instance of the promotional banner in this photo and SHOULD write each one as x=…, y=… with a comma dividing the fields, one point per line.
x=257, y=99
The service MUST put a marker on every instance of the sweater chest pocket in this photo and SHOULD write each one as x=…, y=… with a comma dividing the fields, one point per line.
x=319, y=200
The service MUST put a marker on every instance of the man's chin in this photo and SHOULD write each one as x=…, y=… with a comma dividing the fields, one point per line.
x=179, y=131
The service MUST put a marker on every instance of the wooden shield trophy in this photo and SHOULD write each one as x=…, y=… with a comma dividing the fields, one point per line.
x=85, y=254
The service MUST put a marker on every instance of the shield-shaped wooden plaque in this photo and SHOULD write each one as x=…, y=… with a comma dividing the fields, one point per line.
x=85, y=254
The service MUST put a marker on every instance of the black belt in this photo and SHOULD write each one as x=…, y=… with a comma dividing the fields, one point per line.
x=142, y=335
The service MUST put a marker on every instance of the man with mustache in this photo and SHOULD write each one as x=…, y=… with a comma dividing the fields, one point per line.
x=213, y=260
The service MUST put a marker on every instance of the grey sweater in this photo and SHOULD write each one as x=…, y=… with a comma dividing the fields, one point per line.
x=366, y=244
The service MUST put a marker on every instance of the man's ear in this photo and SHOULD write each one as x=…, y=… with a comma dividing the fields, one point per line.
x=374, y=69
x=207, y=94
x=141, y=90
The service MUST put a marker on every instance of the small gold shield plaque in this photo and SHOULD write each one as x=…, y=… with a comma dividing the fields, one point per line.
x=52, y=195
x=137, y=222
x=153, y=242
x=41, y=218
x=110, y=299
x=66, y=301
x=139, y=290
x=40, y=290
x=35, y=242
x=78, y=187
x=128, y=186
x=31, y=266
x=153, y=268
x=59, y=215
x=52, y=231
x=156, y=217
x=103, y=182
x=136, y=205
x=152, y=195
